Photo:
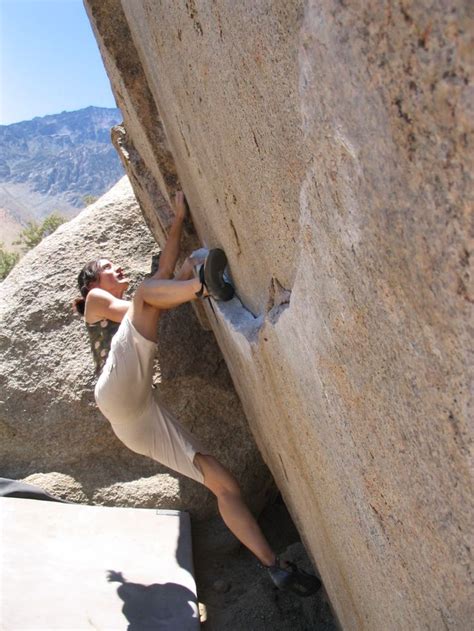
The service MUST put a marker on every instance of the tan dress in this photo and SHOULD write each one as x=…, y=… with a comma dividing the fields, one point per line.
x=124, y=395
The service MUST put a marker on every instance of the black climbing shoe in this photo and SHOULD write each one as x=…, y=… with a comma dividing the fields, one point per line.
x=289, y=577
x=211, y=275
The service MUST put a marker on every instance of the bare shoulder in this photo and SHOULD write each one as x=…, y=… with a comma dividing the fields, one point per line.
x=98, y=294
x=102, y=304
x=95, y=301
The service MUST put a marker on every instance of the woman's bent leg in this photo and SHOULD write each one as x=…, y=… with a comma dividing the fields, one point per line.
x=154, y=295
x=166, y=294
x=233, y=509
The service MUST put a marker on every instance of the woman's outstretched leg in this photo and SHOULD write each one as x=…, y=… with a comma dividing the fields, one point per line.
x=233, y=509
x=241, y=522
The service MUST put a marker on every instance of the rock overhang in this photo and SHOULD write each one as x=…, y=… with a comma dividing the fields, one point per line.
x=325, y=148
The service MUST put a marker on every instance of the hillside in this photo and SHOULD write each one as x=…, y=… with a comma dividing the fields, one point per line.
x=50, y=163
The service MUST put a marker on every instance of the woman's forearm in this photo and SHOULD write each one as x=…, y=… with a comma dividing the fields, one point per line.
x=170, y=253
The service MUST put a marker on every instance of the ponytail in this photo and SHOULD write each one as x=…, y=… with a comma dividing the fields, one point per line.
x=87, y=275
x=79, y=305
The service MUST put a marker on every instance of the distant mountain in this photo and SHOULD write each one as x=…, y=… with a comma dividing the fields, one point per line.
x=50, y=163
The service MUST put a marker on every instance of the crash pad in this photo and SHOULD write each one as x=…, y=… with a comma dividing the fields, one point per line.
x=72, y=566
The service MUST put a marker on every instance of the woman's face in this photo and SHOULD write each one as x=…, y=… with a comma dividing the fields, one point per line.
x=112, y=277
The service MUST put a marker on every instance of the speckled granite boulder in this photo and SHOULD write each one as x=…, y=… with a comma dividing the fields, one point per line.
x=327, y=147
x=49, y=424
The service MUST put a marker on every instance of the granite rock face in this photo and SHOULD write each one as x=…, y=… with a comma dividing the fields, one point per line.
x=327, y=147
x=51, y=432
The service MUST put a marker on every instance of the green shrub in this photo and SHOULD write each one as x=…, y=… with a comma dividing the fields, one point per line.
x=35, y=232
x=89, y=199
x=8, y=260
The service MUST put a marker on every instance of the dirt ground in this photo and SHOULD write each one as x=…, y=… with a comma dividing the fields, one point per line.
x=236, y=594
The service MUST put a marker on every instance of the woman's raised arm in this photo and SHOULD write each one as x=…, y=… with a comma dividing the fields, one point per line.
x=169, y=255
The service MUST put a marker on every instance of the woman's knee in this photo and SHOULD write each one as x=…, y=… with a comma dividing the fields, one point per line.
x=216, y=477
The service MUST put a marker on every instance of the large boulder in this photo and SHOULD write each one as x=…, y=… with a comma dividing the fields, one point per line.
x=51, y=432
x=327, y=146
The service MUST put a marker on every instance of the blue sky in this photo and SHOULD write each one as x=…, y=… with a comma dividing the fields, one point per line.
x=49, y=60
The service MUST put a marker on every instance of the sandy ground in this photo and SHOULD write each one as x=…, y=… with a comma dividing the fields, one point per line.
x=235, y=593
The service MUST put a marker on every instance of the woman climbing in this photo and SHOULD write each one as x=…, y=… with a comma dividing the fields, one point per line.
x=123, y=335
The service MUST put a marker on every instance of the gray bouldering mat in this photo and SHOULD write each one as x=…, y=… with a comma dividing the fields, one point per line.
x=70, y=566
x=15, y=488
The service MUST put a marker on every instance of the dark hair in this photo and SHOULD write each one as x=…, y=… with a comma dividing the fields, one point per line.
x=88, y=274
